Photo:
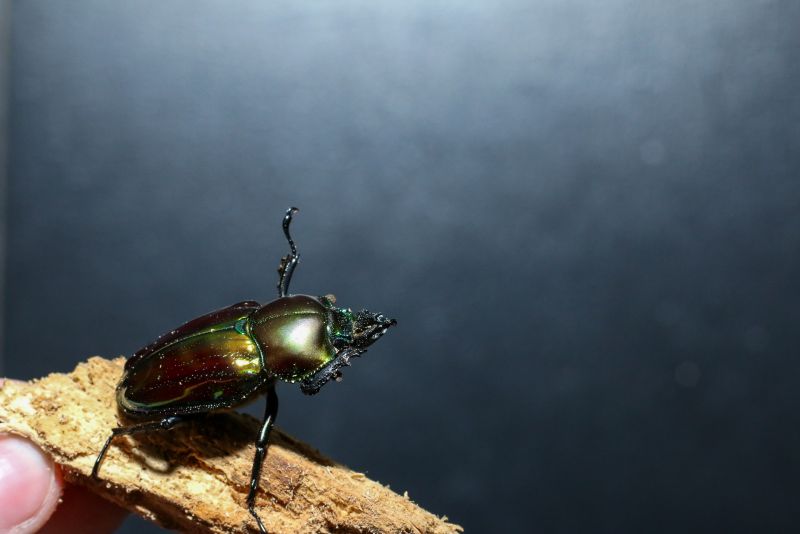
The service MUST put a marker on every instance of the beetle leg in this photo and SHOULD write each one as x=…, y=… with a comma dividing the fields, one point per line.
x=331, y=370
x=270, y=413
x=164, y=424
x=288, y=262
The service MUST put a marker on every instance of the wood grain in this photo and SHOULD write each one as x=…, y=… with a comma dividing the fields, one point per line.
x=195, y=478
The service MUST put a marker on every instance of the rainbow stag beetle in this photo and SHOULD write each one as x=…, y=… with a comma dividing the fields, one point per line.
x=229, y=356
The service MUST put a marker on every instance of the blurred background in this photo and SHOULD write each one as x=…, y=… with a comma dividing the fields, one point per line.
x=584, y=215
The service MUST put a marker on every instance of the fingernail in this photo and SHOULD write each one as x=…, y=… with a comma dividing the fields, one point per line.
x=29, y=486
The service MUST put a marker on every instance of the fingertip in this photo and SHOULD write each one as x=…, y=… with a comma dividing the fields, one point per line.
x=30, y=486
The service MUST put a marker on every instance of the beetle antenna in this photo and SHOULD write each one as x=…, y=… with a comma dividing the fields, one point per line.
x=288, y=262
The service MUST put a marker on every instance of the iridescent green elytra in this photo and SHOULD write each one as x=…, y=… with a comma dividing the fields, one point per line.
x=231, y=355
x=224, y=358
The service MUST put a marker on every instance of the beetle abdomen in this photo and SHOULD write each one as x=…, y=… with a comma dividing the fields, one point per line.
x=216, y=368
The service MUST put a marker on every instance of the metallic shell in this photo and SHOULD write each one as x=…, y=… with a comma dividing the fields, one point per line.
x=209, y=366
x=199, y=324
x=293, y=334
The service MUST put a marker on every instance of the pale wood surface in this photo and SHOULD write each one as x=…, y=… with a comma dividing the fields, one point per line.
x=195, y=478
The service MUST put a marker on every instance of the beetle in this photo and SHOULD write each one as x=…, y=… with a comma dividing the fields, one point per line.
x=232, y=355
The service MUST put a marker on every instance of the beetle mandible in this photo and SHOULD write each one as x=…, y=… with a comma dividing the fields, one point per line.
x=229, y=356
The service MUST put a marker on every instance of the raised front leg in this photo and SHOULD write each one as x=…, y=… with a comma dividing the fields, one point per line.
x=270, y=413
x=288, y=262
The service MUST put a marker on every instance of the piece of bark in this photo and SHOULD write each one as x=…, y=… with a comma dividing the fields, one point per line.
x=195, y=478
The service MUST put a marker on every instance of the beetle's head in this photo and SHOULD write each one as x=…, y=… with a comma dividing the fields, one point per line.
x=354, y=332
x=368, y=328
x=350, y=333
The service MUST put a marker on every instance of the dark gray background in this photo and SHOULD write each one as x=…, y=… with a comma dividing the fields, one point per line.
x=585, y=216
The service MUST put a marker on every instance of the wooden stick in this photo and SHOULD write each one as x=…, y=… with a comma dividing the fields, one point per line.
x=195, y=478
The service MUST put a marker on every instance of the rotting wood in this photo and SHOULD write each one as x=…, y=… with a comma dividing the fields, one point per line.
x=195, y=478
